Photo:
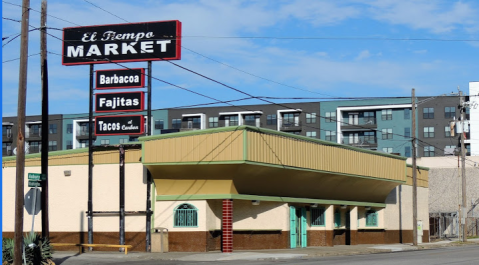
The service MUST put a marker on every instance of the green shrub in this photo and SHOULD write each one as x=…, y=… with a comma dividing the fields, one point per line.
x=37, y=250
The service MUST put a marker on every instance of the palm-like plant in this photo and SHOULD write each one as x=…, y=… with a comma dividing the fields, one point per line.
x=37, y=250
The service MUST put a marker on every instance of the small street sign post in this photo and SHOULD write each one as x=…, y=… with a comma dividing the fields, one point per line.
x=33, y=196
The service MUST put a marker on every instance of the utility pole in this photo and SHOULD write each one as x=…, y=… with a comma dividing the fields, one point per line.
x=20, y=163
x=463, y=172
x=414, y=170
x=45, y=125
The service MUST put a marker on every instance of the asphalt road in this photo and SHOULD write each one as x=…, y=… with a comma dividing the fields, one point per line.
x=463, y=255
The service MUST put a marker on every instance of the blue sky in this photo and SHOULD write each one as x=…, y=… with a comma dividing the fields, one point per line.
x=345, y=49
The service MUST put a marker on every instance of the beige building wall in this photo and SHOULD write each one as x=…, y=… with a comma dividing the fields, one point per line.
x=398, y=211
x=68, y=198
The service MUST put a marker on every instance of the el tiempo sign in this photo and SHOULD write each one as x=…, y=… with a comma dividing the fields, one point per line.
x=119, y=125
x=132, y=42
x=120, y=78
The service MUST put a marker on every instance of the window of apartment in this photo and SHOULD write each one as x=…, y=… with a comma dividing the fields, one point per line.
x=252, y=120
x=318, y=216
x=231, y=120
x=84, y=128
x=123, y=140
x=296, y=133
x=291, y=119
x=176, y=123
x=449, y=112
x=69, y=128
x=330, y=116
x=52, y=145
x=186, y=215
x=407, y=114
x=69, y=144
x=105, y=141
x=428, y=151
x=83, y=143
x=428, y=113
x=369, y=117
x=449, y=149
x=468, y=149
x=407, y=132
x=35, y=129
x=193, y=122
x=159, y=124
x=447, y=131
x=6, y=149
x=372, y=218
x=337, y=218
x=369, y=137
x=34, y=147
x=271, y=119
x=407, y=151
x=387, y=134
x=52, y=128
x=386, y=114
x=310, y=117
x=428, y=132
x=331, y=136
x=212, y=122
x=7, y=131
x=311, y=134
x=388, y=150
x=133, y=139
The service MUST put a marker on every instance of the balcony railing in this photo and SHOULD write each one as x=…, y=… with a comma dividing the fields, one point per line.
x=195, y=125
x=291, y=126
x=35, y=134
x=252, y=123
x=360, y=122
x=7, y=135
x=359, y=141
x=6, y=152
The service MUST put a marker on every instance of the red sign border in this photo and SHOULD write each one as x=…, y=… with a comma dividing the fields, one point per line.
x=142, y=104
x=178, y=45
x=142, y=70
x=142, y=126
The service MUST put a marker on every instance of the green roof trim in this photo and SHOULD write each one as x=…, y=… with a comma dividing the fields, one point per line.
x=60, y=153
x=420, y=167
x=264, y=198
x=266, y=131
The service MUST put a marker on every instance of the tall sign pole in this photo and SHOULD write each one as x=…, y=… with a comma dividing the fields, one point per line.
x=148, y=174
x=463, y=172
x=44, y=155
x=20, y=163
x=90, y=162
x=414, y=170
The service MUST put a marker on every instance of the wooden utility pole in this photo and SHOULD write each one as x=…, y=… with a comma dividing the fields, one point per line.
x=414, y=171
x=463, y=172
x=20, y=160
x=45, y=125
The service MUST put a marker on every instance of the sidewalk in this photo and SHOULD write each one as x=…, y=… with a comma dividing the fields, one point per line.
x=99, y=257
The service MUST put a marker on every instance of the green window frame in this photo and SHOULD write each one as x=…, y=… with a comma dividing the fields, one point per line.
x=185, y=215
x=337, y=219
x=372, y=218
x=318, y=216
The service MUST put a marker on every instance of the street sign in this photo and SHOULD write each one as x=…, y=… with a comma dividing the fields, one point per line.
x=36, y=176
x=33, y=197
x=34, y=183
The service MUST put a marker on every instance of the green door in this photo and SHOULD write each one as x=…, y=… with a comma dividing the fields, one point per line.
x=292, y=226
x=304, y=225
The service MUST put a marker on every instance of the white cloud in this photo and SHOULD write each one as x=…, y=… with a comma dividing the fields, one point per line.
x=434, y=16
x=363, y=55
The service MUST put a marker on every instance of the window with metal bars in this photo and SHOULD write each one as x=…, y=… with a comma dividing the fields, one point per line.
x=371, y=218
x=318, y=216
x=186, y=215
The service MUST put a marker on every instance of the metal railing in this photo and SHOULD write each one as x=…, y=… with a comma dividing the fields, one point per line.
x=359, y=140
x=252, y=123
x=33, y=134
x=359, y=121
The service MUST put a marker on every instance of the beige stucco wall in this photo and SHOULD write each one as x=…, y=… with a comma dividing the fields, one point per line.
x=68, y=198
x=398, y=211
